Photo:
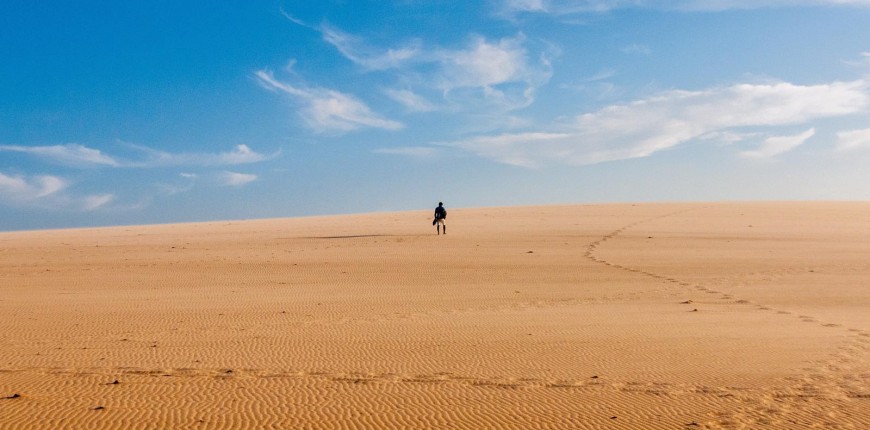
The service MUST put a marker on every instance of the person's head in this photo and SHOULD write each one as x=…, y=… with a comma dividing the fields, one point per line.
x=440, y=204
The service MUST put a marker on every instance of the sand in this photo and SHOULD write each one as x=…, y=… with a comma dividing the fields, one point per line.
x=647, y=316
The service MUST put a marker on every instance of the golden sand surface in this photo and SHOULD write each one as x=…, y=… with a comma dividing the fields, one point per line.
x=647, y=316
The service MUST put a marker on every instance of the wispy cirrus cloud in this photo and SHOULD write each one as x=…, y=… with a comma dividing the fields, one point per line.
x=500, y=72
x=669, y=119
x=511, y=8
x=76, y=155
x=20, y=188
x=853, y=140
x=70, y=154
x=47, y=192
x=410, y=100
x=240, y=154
x=487, y=63
x=94, y=202
x=235, y=179
x=328, y=110
x=358, y=51
x=777, y=145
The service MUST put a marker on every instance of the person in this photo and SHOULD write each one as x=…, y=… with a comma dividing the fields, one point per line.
x=440, y=216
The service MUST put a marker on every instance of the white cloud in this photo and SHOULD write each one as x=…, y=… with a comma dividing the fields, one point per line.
x=486, y=64
x=356, y=50
x=25, y=189
x=241, y=154
x=81, y=156
x=853, y=140
x=601, y=76
x=511, y=8
x=369, y=58
x=727, y=137
x=418, y=152
x=410, y=100
x=520, y=149
x=773, y=146
x=46, y=192
x=234, y=179
x=69, y=154
x=329, y=110
x=862, y=62
x=526, y=5
x=96, y=201
x=718, y=5
x=498, y=72
x=658, y=123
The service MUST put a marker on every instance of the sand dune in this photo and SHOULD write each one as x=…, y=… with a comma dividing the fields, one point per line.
x=648, y=316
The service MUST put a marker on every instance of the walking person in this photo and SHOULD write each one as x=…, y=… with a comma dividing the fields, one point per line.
x=440, y=216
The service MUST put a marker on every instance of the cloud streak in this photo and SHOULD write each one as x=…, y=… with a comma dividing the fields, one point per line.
x=853, y=140
x=328, y=110
x=777, y=145
x=510, y=8
x=70, y=154
x=241, y=154
x=355, y=50
x=47, y=192
x=94, y=202
x=667, y=120
x=76, y=155
x=26, y=189
x=234, y=179
x=500, y=72
x=410, y=100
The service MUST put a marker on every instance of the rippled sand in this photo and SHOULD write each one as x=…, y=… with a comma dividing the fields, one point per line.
x=667, y=316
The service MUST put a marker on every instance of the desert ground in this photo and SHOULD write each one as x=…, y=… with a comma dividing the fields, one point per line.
x=623, y=316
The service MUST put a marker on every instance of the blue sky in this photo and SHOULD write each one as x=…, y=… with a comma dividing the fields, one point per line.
x=144, y=112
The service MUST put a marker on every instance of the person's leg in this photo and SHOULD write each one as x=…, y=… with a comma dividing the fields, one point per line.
x=438, y=227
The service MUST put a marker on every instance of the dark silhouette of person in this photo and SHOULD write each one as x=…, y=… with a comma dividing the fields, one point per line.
x=440, y=216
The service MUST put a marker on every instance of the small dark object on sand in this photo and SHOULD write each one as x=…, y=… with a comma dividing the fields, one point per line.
x=99, y=408
x=14, y=396
x=687, y=302
x=115, y=382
